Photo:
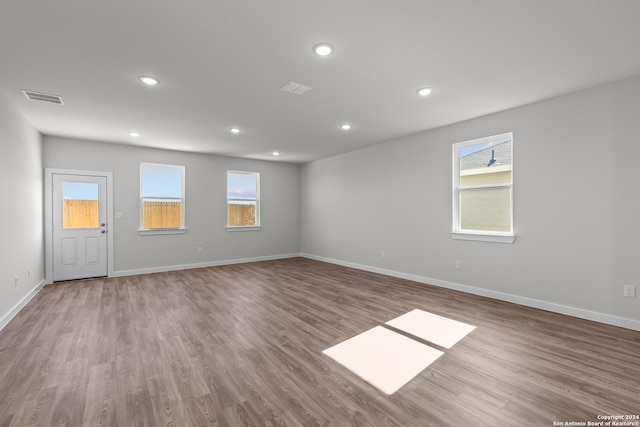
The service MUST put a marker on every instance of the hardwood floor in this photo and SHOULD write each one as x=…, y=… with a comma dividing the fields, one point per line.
x=242, y=345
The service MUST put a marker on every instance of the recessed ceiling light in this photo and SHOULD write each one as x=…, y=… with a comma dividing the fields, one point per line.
x=425, y=91
x=323, y=49
x=234, y=130
x=134, y=134
x=148, y=80
x=276, y=153
x=345, y=126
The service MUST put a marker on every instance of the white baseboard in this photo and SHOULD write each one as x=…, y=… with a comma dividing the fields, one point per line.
x=529, y=302
x=4, y=321
x=164, y=268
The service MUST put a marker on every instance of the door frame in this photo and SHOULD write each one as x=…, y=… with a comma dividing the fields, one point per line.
x=48, y=216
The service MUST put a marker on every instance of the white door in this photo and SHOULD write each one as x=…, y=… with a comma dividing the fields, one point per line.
x=79, y=226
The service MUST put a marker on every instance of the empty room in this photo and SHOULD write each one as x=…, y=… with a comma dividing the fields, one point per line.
x=338, y=213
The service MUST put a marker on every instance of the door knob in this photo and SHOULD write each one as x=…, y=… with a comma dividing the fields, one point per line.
x=103, y=231
x=103, y=224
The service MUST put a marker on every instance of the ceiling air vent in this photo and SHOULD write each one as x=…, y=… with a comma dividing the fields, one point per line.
x=44, y=97
x=295, y=88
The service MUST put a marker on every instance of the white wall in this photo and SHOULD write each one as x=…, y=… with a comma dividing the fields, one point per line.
x=205, y=205
x=21, y=239
x=576, y=207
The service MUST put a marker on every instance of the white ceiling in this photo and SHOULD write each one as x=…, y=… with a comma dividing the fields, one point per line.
x=221, y=63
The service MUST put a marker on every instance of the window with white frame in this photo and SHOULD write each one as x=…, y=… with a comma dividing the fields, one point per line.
x=243, y=200
x=162, y=200
x=483, y=189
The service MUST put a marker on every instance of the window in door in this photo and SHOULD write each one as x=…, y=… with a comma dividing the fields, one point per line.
x=80, y=205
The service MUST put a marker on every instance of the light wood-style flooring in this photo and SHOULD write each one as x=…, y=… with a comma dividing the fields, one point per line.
x=241, y=345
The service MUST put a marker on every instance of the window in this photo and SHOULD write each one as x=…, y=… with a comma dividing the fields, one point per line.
x=483, y=189
x=161, y=198
x=243, y=200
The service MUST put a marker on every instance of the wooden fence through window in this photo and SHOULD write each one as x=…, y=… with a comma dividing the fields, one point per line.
x=161, y=214
x=84, y=214
x=241, y=214
x=80, y=213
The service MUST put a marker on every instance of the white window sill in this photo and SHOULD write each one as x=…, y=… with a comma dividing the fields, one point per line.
x=483, y=237
x=244, y=228
x=154, y=231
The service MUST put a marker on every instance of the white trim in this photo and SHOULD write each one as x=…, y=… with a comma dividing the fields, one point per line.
x=163, y=269
x=4, y=321
x=48, y=216
x=484, y=187
x=152, y=231
x=243, y=227
x=528, y=302
x=483, y=237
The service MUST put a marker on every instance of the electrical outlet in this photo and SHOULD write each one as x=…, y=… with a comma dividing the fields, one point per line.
x=381, y=254
x=15, y=281
x=200, y=249
x=458, y=265
x=629, y=291
x=119, y=215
